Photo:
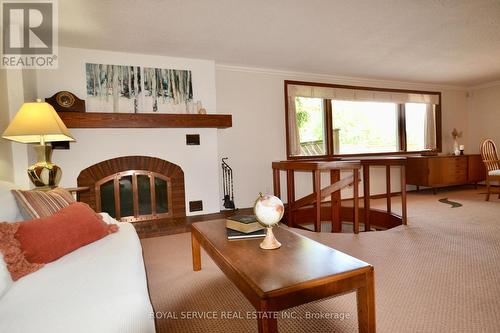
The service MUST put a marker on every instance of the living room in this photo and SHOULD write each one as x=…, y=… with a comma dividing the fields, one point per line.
x=242, y=122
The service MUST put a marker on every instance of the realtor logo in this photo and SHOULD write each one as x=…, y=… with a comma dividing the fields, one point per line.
x=29, y=34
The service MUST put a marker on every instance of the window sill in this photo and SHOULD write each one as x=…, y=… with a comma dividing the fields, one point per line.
x=339, y=156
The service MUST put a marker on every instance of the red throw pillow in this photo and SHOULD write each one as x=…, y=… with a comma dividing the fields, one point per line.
x=49, y=238
x=13, y=256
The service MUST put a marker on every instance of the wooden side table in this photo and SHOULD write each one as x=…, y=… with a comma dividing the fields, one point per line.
x=75, y=191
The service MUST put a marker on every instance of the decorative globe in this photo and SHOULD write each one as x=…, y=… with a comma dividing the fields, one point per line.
x=269, y=210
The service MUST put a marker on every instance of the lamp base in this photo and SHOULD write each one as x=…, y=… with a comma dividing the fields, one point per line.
x=44, y=173
x=270, y=242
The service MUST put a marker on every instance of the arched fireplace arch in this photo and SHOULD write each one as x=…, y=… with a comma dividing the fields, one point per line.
x=135, y=188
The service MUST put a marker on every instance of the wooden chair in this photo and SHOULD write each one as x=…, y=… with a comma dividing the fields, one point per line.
x=492, y=163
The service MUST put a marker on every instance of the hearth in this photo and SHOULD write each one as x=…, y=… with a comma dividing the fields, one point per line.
x=135, y=188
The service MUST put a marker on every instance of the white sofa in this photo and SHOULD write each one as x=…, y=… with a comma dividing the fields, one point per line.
x=100, y=287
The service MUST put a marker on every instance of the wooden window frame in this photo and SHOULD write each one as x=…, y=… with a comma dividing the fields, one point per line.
x=328, y=121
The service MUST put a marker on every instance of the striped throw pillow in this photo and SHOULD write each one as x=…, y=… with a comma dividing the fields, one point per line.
x=36, y=204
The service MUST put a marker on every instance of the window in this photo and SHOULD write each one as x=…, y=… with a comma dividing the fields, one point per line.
x=365, y=127
x=311, y=124
x=330, y=120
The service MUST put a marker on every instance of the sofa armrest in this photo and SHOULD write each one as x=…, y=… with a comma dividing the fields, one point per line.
x=107, y=218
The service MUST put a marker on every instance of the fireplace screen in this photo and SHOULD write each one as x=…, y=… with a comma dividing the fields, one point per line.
x=135, y=195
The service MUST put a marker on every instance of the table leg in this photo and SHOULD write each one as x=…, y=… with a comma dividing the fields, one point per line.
x=267, y=321
x=267, y=325
x=366, y=195
x=388, y=187
x=403, y=195
x=366, y=304
x=355, y=190
x=195, y=251
x=290, y=190
x=335, y=203
x=317, y=191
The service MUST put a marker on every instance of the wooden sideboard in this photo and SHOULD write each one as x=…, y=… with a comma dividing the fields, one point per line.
x=442, y=171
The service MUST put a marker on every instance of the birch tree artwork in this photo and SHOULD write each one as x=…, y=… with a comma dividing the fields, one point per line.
x=113, y=88
x=167, y=90
x=130, y=89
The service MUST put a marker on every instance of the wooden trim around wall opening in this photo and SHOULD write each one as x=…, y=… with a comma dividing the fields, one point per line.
x=329, y=122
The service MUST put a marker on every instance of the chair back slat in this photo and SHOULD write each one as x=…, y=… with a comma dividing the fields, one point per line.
x=489, y=155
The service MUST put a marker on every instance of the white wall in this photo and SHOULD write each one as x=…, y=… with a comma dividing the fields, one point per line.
x=454, y=115
x=6, y=168
x=200, y=164
x=484, y=115
x=16, y=98
x=16, y=87
x=255, y=98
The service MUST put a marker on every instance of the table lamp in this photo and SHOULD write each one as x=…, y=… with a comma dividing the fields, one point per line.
x=38, y=122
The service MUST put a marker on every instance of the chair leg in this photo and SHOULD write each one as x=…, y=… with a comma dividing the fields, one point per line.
x=487, y=190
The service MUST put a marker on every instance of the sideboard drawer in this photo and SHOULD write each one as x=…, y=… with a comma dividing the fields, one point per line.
x=454, y=163
x=456, y=177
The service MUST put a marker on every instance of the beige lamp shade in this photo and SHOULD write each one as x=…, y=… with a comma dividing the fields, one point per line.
x=37, y=122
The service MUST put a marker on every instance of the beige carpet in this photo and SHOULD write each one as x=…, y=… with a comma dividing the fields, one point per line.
x=439, y=274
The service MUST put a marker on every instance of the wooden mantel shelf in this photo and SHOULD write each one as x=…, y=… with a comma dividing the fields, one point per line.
x=144, y=120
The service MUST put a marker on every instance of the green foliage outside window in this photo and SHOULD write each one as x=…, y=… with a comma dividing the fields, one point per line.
x=309, y=118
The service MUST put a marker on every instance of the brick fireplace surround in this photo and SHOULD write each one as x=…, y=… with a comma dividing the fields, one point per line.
x=112, y=169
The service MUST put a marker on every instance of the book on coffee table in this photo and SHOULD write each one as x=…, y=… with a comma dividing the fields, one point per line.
x=243, y=223
x=233, y=234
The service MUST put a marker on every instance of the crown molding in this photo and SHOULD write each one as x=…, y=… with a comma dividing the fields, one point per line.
x=486, y=85
x=327, y=78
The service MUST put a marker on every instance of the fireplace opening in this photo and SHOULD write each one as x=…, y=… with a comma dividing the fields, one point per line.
x=135, y=188
x=135, y=195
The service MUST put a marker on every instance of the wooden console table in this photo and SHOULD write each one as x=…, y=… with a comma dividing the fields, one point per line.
x=446, y=170
x=336, y=184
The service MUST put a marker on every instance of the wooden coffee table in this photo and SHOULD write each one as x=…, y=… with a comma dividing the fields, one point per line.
x=301, y=271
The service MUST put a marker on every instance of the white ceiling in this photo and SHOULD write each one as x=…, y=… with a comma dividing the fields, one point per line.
x=454, y=42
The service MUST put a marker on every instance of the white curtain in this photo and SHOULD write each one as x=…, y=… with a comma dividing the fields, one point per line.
x=293, y=129
x=430, y=127
x=361, y=95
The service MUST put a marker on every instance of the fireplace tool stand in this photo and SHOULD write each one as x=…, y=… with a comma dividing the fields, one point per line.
x=227, y=185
